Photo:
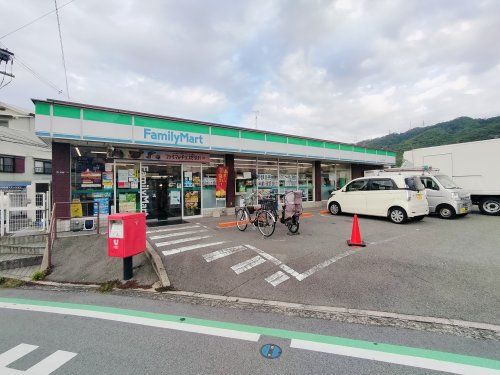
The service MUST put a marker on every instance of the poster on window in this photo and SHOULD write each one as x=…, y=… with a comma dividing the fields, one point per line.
x=191, y=200
x=90, y=179
x=221, y=181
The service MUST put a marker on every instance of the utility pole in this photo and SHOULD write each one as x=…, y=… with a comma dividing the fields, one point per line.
x=6, y=57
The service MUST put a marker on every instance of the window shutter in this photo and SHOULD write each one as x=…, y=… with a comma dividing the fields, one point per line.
x=18, y=165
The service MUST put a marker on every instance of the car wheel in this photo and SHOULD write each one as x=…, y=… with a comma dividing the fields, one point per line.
x=490, y=206
x=334, y=208
x=397, y=215
x=446, y=212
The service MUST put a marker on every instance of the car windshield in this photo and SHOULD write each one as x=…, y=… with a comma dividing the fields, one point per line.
x=414, y=183
x=447, y=182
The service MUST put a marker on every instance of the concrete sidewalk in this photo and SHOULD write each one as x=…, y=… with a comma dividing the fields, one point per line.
x=84, y=259
x=434, y=267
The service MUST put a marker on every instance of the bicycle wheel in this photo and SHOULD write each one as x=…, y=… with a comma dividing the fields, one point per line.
x=293, y=225
x=266, y=223
x=242, y=219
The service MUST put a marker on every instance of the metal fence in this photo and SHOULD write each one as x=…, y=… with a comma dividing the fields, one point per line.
x=23, y=212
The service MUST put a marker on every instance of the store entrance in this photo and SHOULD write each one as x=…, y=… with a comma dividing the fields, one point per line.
x=164, y=193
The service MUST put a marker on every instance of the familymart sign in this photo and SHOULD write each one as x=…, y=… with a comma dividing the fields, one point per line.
x=172, y=137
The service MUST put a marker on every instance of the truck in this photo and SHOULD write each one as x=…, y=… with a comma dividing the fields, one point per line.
x=474, y=166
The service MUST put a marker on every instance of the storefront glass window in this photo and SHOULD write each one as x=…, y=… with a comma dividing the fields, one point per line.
x=127, y=187
x=306, y=180
x=91, y=181
x=210, y=198
x=245, y=179
x=328, y=180
x=192, y=190
x=343, y=172
x=267, y=178
x=287, y=176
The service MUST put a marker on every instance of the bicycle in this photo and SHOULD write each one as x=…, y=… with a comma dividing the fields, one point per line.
x=263, y=219
x=290, y=212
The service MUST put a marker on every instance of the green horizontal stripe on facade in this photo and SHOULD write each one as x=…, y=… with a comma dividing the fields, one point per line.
x=346, y=147
x=359, y=149
x=42, y=108
x=276, y=138
x=315, y=144
x=114, y=118
x=65, y=111
x=373, y=152
x=389, y=153
x=226, y=132
x=297, y=141
x=170, y=125
x=381, y=152
x=333, y=146
x=253, y=135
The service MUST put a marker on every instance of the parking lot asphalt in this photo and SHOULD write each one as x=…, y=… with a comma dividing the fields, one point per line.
x=441, y=268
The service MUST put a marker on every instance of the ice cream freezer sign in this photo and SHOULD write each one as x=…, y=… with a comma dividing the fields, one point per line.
x=169, y=137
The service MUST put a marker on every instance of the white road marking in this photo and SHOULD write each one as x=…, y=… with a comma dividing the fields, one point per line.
x=247, y=264
x=189, y=248
x=269, y=257
x=277, y=278
x=324, y=264
x=400, y=359
x=44, y=367
x=178, y=326
x=173, y=229
x=289, y=270
x=181, y=240
x=210, y=257
x=177, y=234
x=15, y=353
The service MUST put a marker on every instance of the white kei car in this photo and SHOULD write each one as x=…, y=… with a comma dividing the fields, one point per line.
x=397, y=197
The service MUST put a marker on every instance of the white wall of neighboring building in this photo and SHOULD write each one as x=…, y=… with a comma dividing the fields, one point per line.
x=18, y=139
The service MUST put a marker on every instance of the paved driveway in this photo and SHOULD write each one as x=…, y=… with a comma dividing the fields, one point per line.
x=434, y=267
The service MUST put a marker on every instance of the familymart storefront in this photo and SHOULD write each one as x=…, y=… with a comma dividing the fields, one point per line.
x=174, y=169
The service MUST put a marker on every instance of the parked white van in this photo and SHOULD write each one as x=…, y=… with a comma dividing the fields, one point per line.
x=445, y=198
x=397, y=197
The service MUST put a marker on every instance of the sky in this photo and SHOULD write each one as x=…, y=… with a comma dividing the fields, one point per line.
x=339, y=70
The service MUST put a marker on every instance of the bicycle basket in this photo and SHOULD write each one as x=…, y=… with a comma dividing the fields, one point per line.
x=269, y=204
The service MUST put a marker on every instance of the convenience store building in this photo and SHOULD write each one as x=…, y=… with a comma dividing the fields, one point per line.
x=168, y=167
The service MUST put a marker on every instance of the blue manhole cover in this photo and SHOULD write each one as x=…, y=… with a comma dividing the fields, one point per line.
x=270, y=351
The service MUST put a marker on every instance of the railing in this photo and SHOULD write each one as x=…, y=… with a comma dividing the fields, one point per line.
x=52, y=236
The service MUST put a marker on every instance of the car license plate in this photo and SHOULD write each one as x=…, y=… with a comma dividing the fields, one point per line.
x=464, y=210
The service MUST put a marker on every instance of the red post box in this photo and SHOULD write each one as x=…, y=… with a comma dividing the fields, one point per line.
x=126, y=238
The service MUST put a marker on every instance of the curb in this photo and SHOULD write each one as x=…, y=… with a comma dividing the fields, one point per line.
x=455, y=327
x=157, y=264
x=342, y=310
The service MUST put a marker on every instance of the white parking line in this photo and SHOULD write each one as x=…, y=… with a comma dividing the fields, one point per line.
x=173, y=229
x=181, y=240
x=247, y=264
x=269, y=257
x=277, y=278
x=210, y=257
x=15, y=353
x=177, y=234
x=189, y=248
x=324, y=264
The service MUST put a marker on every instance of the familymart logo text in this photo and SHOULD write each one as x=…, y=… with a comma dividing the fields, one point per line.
x=172, y=137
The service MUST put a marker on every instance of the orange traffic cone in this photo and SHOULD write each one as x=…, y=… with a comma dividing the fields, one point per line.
x=356, y=234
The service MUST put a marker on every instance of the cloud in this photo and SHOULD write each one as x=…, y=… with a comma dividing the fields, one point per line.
x=342, y=70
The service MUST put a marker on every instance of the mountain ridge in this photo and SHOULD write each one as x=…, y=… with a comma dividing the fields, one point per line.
x=459, y=130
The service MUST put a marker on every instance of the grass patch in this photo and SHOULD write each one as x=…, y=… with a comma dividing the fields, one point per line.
x=39, y=275
x=10, y=283
x=108, y=286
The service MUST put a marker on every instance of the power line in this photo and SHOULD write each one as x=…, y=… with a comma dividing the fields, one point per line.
x=25, y=65
x=36, y=19
x=62, y=49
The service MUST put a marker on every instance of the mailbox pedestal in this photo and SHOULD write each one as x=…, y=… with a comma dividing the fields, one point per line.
x=126, y=238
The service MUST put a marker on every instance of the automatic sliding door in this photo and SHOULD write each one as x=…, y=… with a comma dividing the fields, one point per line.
x=164, y=193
